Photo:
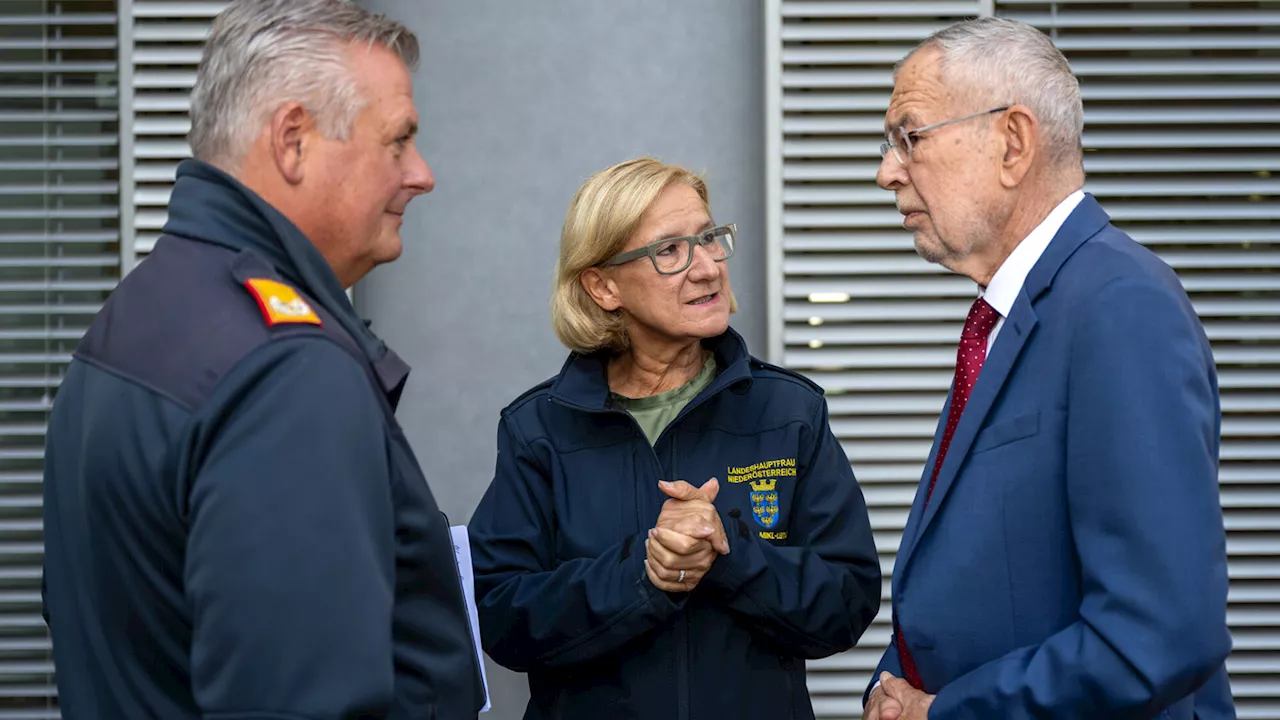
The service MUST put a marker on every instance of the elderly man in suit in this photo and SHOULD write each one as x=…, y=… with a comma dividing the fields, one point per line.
x=1065, y=554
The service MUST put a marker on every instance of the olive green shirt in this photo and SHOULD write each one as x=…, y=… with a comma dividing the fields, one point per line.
x=655, y=413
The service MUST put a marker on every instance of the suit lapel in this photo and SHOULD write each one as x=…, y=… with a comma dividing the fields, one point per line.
x=909, y=533
x=1084, y=222
x=995, y=371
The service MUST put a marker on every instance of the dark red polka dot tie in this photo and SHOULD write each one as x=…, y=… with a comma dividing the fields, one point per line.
x=969, y=359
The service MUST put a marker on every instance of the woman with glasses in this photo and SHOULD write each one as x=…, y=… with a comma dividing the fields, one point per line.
x=672, y=528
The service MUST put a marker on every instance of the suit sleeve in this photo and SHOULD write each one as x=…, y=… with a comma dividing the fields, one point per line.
x=890, y=661
x=539, y=612
x=290, y=563
x=815, y=596
x=1141, y=462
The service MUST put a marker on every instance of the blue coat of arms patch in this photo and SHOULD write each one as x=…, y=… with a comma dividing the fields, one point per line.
x=764, y=502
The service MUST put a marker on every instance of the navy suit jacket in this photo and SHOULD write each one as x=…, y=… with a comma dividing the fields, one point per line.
x=1072, y=560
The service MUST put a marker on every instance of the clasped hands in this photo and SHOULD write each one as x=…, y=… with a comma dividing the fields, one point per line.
x=895, y=699
x=688, y=536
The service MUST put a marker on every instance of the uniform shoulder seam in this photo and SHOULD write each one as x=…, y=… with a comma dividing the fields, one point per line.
x=132, y=379
x=528, y=395
x=303, y=334
x=789, y=375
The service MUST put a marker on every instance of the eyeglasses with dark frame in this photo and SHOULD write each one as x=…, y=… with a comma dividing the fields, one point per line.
x=903, y=147
x=667, y=258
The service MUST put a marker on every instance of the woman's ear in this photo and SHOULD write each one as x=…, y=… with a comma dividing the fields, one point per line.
x=601, y=288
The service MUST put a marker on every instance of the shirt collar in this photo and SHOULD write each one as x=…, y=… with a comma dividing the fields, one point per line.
x=1007, y=282
x=584, y=379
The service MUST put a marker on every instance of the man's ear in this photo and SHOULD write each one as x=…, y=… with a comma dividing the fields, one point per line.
x=292, y=130
x=601, y=288
x=1020, y=130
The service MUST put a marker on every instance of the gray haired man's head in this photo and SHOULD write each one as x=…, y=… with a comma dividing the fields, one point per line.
x=261, y=54
x=995, y=62
x=983, y=141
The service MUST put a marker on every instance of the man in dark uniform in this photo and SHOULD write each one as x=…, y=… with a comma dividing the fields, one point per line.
x=235, y=525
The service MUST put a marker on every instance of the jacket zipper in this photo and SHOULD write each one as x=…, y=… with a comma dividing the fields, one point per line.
x=557, y=708
x=682, y=637
x=788, y=669
x=682, y=627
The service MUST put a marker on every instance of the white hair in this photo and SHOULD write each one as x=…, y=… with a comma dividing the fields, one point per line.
x=994, y=61
x=263, y=53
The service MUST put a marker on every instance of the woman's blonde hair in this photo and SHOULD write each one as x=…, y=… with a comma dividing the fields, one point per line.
x=603, y=215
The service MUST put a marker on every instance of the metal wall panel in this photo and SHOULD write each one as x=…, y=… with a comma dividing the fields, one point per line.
x=1182, y=139
x=59, y=257
x=167, y=39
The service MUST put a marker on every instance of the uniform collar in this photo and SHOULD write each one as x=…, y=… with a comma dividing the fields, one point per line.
x=211, y=206
x=584, y=381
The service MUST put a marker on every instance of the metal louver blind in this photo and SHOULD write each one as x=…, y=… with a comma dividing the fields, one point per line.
x=59, y=257
x=854, y=307
x=168, y=37
x=1182, y=138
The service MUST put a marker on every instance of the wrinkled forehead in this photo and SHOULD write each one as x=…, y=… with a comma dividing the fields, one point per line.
x=918, y=91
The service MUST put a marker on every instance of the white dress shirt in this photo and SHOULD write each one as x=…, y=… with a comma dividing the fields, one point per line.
x=1006, y=284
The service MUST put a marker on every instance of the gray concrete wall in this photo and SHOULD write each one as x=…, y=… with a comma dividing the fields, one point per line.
x=519, y=103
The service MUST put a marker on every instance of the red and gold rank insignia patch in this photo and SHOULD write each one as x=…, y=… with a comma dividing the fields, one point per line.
x=281, y=303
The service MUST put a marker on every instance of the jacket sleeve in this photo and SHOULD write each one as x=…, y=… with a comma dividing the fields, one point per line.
x=536, y=611
x=816, y=595
x=290, y=560
x=1141, y=473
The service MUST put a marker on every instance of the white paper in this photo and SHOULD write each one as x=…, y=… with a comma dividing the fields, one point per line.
x=462, y=553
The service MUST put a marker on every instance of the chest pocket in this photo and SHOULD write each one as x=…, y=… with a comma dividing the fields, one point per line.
x=594, y=493
x=1005, y=432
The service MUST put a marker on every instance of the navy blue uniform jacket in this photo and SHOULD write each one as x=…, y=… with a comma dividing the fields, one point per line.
x=559, y=548
x=1072, y=560
x=235, y=526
